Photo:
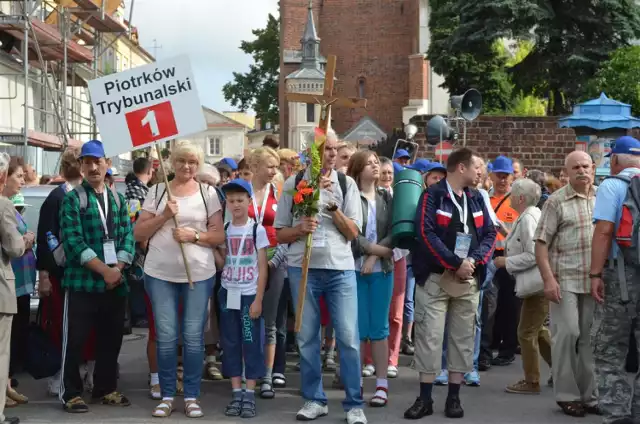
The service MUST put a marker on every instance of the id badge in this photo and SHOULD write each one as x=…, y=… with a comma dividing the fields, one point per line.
x=320, y=235
x=109, y=248
x=234, y=296
x=463, y=244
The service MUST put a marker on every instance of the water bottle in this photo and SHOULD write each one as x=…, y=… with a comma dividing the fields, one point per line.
x=52, y=241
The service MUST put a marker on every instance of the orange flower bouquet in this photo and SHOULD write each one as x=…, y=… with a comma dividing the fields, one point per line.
x=306, y=194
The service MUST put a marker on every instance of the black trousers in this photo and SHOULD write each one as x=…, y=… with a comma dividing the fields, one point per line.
x=82, y=312
x=20, y=335
x=507, y=317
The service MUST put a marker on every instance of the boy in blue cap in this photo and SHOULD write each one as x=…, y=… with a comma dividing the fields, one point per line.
x=402, y=157
x=244, y=279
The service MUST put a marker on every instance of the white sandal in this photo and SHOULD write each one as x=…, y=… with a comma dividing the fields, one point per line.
x=192, y=409
x=164, y=409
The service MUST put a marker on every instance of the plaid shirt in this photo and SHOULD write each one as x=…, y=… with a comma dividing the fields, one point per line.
x=83, y=238
x=566, y=226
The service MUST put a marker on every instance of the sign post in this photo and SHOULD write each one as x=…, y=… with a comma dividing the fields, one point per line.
x=146, y=105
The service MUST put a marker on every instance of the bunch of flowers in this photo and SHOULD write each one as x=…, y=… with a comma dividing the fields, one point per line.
x=307, y=194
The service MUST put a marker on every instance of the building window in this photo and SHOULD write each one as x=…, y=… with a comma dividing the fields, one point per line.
x=215, y=146
x=311, y=112
x=361, y=88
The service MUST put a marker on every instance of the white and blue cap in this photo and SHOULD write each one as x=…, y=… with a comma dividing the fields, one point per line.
x=238, y=183
x=625, y=145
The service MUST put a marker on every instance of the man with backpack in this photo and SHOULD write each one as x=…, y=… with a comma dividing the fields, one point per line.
x=614, y=279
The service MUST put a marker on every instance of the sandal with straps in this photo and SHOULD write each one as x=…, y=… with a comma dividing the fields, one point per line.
x=378, y=401
x=279, y=380
x=573, y=409
x=248, y=408
x=234, y=408
x=163, y=410
x=266, y=390
x=192, y=409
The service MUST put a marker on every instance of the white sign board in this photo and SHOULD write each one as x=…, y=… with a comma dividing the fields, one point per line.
x=147, y=104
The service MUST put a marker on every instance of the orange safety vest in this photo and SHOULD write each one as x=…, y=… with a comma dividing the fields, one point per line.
x=506, y=214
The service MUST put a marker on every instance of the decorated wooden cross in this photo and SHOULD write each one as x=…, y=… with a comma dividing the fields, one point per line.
x=326, y=100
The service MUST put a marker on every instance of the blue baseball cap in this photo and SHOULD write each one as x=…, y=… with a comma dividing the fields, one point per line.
x=421, y=165
x=238, y=183
x=397, y=168
x=490, y=167
x=502, y=164
x=92, y=149
x=401, y=153
x=436, y=166
x=230, y=163
x=625, y=145
x=109, y=171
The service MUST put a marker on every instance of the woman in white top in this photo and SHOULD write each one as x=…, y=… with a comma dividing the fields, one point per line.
x=197, y=210
x=520, y=261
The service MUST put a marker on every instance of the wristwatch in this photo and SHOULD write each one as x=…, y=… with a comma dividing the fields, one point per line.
x=332, y=207
x=598, y=275
x=197, y=236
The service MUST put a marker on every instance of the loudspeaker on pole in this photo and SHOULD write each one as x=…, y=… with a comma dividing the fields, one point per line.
x=468, y=104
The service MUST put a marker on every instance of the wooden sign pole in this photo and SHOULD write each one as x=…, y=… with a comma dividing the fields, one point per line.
x=325, y=101
x=175, y=219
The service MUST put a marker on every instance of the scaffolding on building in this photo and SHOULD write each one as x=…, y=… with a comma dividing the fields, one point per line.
x=60, y=45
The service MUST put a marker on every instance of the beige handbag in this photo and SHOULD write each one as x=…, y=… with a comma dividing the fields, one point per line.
x=529, y=283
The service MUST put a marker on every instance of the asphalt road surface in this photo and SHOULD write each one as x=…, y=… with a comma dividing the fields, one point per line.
x=487, y=404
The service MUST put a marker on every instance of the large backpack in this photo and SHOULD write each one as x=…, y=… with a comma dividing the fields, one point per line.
x=342, y=182
x=627, y=235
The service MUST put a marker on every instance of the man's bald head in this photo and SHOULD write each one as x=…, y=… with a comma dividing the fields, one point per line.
x=580, y=169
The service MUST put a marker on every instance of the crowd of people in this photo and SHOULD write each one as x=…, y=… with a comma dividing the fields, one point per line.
x=505, y=260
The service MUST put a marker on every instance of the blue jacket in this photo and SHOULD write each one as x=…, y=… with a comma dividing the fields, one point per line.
x=433, y=217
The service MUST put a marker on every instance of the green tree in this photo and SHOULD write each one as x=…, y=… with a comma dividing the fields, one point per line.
x=619, y=78
x=258, y=88
x=572, y=38
x=479, y=67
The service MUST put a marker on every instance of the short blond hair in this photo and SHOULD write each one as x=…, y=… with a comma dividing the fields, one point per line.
x=184, y=148
x=260, y=154
x=346, y=145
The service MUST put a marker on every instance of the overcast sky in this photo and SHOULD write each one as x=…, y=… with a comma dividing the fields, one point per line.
x=209, y=31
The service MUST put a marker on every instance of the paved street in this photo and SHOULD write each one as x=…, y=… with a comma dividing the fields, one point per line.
x=486, y=404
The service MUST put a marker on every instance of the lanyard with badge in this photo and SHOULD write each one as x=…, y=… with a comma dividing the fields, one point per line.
x=234, y=294
x=463, y=240
x=109, y=245
x=260, y=217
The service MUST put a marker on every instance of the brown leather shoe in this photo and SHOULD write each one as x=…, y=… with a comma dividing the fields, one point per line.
x=14, y=395
x=10, y=403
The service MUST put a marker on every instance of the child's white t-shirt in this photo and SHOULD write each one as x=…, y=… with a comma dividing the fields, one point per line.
x=241, y=271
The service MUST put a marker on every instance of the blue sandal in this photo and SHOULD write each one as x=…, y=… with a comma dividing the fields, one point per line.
x=234, y=408
x=248, y=408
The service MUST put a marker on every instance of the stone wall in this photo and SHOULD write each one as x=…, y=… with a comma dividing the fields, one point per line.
x=536, y=141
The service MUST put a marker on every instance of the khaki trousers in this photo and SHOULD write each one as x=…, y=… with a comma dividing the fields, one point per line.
x=534, y=336
x=571, y=351
x=433, y=308
x=5, y=351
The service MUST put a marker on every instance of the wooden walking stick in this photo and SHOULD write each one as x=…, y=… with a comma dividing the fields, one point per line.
x=325, y=101
x=175, y=219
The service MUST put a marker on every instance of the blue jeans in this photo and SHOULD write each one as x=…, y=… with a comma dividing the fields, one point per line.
x=241, y=339
x=476, y=342
x=408, y=296
x=340, y=293
x=165, y=297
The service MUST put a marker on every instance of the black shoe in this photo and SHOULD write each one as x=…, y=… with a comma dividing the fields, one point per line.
x=501, y=361
x=11, y=420
x=484, y=365
x=419, y=409
x=625, y=420
x=518, y=351
x=453, y=408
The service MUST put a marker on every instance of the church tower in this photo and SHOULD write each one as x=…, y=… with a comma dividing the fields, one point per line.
x=308, y=79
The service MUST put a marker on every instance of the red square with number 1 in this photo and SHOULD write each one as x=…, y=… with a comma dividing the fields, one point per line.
x=151, y=123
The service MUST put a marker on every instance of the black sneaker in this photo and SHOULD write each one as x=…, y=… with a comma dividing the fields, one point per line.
x=10, y=420
x=625, y=420
x=484, y=365
x=501, y=361
x=453, y=408
x=419, y=409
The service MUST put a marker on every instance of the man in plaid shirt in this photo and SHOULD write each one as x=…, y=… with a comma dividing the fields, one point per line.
x=98, y=244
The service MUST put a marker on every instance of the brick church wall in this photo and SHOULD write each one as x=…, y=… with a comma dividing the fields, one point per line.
x=372, y=40
x=536, y=141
